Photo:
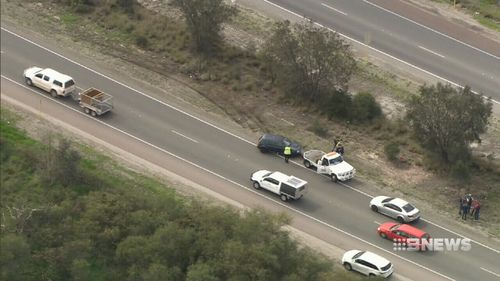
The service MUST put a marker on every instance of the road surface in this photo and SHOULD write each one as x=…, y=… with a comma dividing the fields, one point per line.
x=404, y=33
x=208, y=149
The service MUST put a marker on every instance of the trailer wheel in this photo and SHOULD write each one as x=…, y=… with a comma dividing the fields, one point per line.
x=307, y=164
x=93, y=113
x=86, y=110
x=284, y=198
x=28, y=82
x=256, y=185
x=53, y=93
x=334, y=178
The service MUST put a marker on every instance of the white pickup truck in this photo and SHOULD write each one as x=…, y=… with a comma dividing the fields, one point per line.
x=287, y=187
x=57, y=84
x=331, y=164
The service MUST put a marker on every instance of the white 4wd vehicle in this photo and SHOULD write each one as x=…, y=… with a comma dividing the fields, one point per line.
x=287, y=187
x=57, y=84
x=331, y=164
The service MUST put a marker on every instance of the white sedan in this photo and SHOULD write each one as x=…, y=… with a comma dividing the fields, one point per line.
x=395, y=208
x=367, y=263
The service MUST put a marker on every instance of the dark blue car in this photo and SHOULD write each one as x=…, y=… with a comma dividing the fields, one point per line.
x=277, y=143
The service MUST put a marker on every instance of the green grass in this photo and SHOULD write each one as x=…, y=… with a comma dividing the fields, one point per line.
x=486, y=12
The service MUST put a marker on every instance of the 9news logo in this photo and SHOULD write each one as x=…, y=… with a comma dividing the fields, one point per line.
x=432, y=244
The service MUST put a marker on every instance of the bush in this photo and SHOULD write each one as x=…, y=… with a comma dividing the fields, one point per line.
x=460, y=171
x=142, y=41
x=338, y=105
x=365, y=107
x=392, y=150
x=319, y=129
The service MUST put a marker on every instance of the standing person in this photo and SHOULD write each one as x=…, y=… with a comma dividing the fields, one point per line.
x=465, y=210
x=473, y=206
x=287, y=153
x=476, y=210
x=469, y=202
x=335, y=142
x=460, y=205
x=339, y=148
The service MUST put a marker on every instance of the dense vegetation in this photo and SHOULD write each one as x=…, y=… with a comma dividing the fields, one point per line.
x=67, y=218
x=446, y=120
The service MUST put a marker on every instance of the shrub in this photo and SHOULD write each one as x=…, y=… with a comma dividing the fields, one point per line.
x=142, y=41
x=365, y=107
x=337, y=105
x=318, y=129
x=460, y=171
x=392, y=150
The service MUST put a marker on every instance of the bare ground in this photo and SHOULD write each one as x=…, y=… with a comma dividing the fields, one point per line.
x=411, y=181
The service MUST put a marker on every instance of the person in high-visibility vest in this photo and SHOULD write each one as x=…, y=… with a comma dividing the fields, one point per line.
x=287, y=153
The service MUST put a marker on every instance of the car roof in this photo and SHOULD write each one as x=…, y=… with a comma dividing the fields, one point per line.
x=398, y=202
x=56, y=74
x=412, y=230
x=290, y=180
x=279, y=176
x=375, y=259
x=272, y=137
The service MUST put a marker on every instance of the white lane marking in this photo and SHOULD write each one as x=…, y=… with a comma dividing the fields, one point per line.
x=288, y=122
x=231, y=181
x=433, y=30
x=336, y=10
x=376, y=222
x=489, y=271
x=430, y=51
x=376, y=50
x=225, y=131
x=175, y=132
x=128, y=87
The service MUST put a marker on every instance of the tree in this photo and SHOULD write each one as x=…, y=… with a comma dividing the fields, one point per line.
x=308, y=60
x=205, y=19
x=446, y=120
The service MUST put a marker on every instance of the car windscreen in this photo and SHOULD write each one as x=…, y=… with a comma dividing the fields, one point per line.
x=385, y=268
x=408, y=208
x=336, y=160
x=358, y=255
x=387, y=200
x=69, y=83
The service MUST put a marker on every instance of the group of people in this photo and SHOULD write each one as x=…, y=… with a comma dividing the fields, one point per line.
x=469, y=205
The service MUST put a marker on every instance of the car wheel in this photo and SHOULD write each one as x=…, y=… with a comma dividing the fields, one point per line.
x=86, y=110
x=307, y=164
x=334, y=178
x=284, y=198
x=93, y=113
x=256, y=185
x=374, y=208
x=400, y=219
x=371, y=275
x=383, y=235
x=53, y=93
x=347, y=266
x=28, y=82
x=262, y=150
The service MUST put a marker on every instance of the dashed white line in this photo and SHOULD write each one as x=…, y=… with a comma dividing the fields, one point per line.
x=433, y=30
x=386, y=54
x=376, y=222
x=234, y=182
x=430, y=51
x=184, y=136
x=332, y=8
x=489, y=271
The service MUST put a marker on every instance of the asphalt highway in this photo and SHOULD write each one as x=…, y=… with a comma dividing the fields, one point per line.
x=210, y=149
x=418, y=42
